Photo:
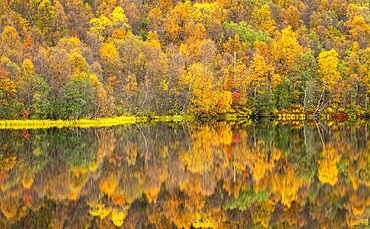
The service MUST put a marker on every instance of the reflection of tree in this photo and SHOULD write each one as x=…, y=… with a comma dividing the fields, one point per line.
x=356, y=206
x=109, y=184
x=99, y=209
x=261, y=213
x=246, y=198
x=105, y=146
x=174, y=209
x=291, y=214
x=287, y=185
x=200, y=158
x=9, y=206
x=119, y=214
x=130, y=184
x=202, y=175
x=328, y=172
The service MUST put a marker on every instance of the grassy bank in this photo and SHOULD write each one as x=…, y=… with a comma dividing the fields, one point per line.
x=85, y=123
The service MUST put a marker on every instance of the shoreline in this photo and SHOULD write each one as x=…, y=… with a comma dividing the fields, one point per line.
x=85, y=123
x=121, y=120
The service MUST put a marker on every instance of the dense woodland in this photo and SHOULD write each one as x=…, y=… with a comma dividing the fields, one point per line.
x=93, y=58
x=216, y=175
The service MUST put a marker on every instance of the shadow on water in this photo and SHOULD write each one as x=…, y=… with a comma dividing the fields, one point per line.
x=251, y=174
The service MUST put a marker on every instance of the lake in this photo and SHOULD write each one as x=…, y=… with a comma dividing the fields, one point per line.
x=245, y=174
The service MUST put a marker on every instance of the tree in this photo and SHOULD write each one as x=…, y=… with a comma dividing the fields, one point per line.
x=57, y=74
x=285, y=51
x=45, y=20
x=103, y=96
x=60, y=17
x=199, y=81
x=10, y=37
x=34, y=92
x=330, y=76
x=105, y=27
x=292, y=17
x=246, y=34
x=8, y=90
x=76, y=98
x=76, y=16
x=364, y=71
x=262, y=18
x=261, y=74
x=111, y=61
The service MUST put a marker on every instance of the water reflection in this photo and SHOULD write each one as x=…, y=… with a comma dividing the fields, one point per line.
x=183, y=175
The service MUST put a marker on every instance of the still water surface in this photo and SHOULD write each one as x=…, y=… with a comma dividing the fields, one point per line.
x=187, y=175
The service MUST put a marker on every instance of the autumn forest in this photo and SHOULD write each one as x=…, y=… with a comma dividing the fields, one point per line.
x=72, y=59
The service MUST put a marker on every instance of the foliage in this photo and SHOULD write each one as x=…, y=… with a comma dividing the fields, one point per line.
x=184, y=57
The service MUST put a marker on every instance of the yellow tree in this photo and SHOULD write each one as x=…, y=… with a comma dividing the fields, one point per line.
x=111, y=59
x=234, y=45
x=330, y=76
x=106, y=26
x=262, y=18
x=10, y=37
x=284, y=3
x=210, y=15
x=286, y=49
x=45, y=19
x=360, y=31
x=199, y=80
x=175, y=22
x=292, y=17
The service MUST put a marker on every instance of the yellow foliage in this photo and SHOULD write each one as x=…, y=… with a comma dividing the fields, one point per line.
x=152, y=40
x=284, y=3
x=328, y=68
x=262, y=213
x=28, y=66
x=259, y=72
x=364, y=67
x=118, y=215
x=234, y=45
x=287, y=185
x=224, y=100
x=111, y=57
x=328, y=172
x=200, y=81
x=152, y=195
x=27, y=181
x=200, y=158
x=262, y=18
x=78, y=62
x=201, y=219
x=176, y=20
x=10, y=37
x=106, y=26
x=9, y=206
x=70, y=43
x=100, y=210
x=286, y=49
x=291, y=16
x=209, y=14
x=109, y=185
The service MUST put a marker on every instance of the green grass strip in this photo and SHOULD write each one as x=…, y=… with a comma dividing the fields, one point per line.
x=83, y=123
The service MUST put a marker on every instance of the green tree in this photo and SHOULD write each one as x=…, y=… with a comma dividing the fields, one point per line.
x=77, y=98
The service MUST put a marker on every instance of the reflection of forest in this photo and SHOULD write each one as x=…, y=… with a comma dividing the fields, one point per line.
x=212, y=175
